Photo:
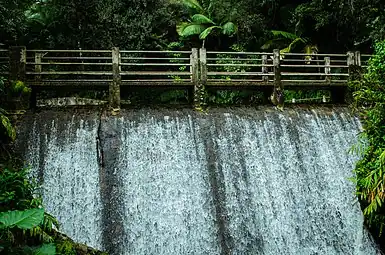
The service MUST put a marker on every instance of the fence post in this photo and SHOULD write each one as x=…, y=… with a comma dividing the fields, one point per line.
x=265, y=70
x=194, y=61
x=327, y=70
x=114, y=89
x=38, y=70
x=38, y=67
x=350, y=61
x=277, y=69
x=203, y=64
x=357, y=58
x=277, y=96
x=17, y=62
x=199, y=90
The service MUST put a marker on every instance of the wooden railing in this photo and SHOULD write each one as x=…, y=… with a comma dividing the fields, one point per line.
x=197, y=68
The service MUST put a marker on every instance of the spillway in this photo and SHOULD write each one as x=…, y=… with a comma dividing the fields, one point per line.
x=175, y=181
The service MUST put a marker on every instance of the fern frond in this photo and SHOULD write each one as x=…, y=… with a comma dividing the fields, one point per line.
x=39, y=233
x=49, y=222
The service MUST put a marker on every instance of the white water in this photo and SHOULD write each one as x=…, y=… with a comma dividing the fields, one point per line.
x=240, y=181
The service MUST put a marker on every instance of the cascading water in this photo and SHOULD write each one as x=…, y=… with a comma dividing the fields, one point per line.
x=244, y=181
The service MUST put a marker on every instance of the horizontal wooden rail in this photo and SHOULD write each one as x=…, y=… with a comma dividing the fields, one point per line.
x=154, y=64
x=314, y=66
x=234, y=59
x=70, y=63
x=314, y=74
x=69, y=73
x=316, y=54
x=240, y=53
x=155, y=51
x=72, y=58
x=150, y=58
x=71, y=51
x=239, y=73
x=154, y=73
x=248, y=65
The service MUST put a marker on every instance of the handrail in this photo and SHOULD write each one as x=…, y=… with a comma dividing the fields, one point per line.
x=196, y=68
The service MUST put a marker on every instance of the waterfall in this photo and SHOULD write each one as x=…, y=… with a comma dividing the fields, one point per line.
x=233, y=181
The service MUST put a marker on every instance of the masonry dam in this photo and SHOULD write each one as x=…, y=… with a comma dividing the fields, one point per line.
x=177, y=181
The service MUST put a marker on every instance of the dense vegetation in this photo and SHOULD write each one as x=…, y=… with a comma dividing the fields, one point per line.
x=331, y=26
x=241, y=25
x=369, y=98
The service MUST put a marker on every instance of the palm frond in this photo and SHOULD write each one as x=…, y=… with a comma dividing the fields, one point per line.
x=294, y=43
x=229, y=28
x=284, y=34
x=192, y=29
x=193, y=5
x=201, y=19
x=207, y=31
x=180, y=27
x=270, y=43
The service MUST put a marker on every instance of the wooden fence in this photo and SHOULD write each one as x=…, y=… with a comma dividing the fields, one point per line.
x=197, y=69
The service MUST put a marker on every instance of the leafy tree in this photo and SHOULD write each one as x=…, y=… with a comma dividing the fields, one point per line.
x=13, y=23
x=95, y=24
x=341, y=25
x=202, y=22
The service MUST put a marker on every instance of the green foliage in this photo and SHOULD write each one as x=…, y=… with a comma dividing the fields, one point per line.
x=66, y=248
x=202, y=23
x=20, y=88
x=26, y=219
x=23, y=222
x=289, y=41
x=45, y=249
x=306, y=96
x=369, y=96
x=7, y=125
